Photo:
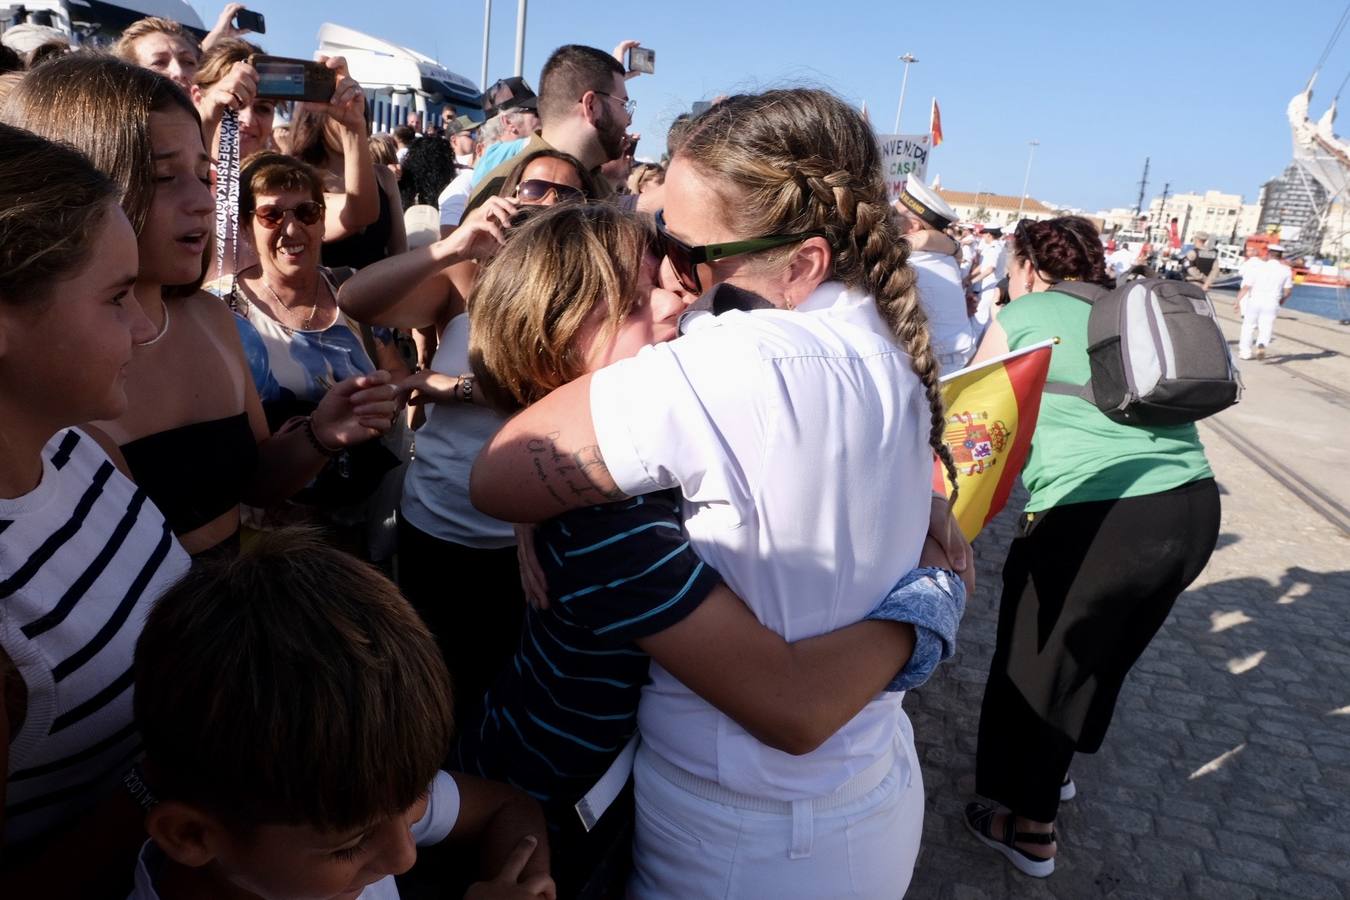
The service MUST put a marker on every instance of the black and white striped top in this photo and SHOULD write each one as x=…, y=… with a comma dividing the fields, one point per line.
x=82, y=558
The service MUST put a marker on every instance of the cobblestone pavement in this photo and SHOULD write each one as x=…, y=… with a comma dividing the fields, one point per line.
x=1226, y=773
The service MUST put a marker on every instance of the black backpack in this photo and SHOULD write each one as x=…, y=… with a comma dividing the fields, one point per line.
x=1157, y=353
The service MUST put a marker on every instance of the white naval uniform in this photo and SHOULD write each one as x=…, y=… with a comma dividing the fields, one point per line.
x=799, y=440
x=943, y=298
x=1268, y=282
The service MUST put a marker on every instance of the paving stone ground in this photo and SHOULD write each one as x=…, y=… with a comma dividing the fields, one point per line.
x=1226, y=773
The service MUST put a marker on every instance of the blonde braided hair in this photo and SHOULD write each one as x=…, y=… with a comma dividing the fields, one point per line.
x=802, y=160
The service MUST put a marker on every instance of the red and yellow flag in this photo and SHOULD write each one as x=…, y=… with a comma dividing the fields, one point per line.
x=991, y=414
x=935, y=124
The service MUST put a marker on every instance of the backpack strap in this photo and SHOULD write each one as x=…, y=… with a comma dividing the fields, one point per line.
x=1080, y=290
x=1088, y=293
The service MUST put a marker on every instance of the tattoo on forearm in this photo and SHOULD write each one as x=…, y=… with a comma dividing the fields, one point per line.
x=569, y=477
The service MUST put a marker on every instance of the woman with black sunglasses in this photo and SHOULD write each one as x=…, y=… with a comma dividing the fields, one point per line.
x=440, y=534
x=802, y=438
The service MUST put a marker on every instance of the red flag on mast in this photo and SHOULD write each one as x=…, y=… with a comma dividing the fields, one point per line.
x=935, y=126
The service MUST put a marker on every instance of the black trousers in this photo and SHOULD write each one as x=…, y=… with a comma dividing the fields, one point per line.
x=1085, y=588
x=473, y=603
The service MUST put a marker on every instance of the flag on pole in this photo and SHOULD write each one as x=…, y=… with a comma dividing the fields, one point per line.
x=935, y=125
x=991, y=414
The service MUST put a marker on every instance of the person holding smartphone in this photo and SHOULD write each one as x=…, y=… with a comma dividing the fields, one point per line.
x=363, y=220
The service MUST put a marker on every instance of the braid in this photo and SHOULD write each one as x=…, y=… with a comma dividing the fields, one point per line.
x=827, y=180
x=891, y=281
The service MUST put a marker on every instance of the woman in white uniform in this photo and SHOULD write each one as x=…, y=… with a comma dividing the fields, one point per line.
x=802, y=438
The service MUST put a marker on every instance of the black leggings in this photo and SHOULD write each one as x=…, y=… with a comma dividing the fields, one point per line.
x=1085, y=588
x=473, y=603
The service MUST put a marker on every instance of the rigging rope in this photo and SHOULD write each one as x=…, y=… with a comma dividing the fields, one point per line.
x=1335, y=36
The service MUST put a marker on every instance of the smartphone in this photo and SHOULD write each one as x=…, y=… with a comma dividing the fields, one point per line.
x=701, y=106
x=248, y=20
x=281, y=78
x=640, y=59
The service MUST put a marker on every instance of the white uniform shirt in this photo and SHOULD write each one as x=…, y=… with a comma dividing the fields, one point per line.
x=455, y=198
x=1121, y=260
x=995, y=252
x=800, y=442
x=1249, y=265
x=435, y=824
x=1268, y=282
x=944, y=300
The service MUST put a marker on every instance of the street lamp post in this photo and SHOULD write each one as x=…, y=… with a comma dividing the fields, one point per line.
x=487, y=33
x=1021, y=201
x=906, y=59
x=520, y=37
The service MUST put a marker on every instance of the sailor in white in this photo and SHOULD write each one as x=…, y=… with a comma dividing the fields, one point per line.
x=941, y=292
x=1265, y=288
x=985, y=279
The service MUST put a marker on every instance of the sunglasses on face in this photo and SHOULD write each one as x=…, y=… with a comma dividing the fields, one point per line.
x=685, y=260
x=536, y=190
x=271, y=215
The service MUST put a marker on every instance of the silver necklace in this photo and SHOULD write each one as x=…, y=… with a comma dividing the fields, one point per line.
x=314, y=308
x=163, y=329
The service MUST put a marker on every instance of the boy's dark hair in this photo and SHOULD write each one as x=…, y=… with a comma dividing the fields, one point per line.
x=571, y=71
x=405, y=135
x=290, y=685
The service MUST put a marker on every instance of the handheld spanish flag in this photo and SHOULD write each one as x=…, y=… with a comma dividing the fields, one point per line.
x=991, y=414
x=935, y=124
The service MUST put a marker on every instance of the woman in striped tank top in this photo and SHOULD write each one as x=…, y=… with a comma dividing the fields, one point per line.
x=83, y=553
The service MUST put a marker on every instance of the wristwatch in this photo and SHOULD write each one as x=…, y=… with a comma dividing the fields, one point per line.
x=466, y=388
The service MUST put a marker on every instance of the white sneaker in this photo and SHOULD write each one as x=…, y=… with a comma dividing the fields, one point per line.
x=1068, y=790
x=1246, y=355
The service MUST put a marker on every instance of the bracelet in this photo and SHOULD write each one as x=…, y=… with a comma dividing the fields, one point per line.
x=314, y=439
x=466, y=388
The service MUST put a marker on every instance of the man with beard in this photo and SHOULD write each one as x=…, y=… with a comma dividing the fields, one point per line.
x=584, y=110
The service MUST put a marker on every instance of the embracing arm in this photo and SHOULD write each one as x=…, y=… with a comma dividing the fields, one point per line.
x=413, y=290
x=544, y=461
x=792, y=697
x=498, y=818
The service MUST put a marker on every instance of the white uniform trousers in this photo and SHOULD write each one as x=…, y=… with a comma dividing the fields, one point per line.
x=1260, y=317
x=695, y=839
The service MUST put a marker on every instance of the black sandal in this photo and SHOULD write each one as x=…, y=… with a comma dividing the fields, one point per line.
x=979, y=821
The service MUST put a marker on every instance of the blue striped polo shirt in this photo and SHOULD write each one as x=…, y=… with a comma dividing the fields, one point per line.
x=567, y=702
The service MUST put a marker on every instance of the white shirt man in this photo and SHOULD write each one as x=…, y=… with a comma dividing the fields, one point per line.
x=942, y=293
x=1120, y=260
x=993, y=266
x=1265, y=287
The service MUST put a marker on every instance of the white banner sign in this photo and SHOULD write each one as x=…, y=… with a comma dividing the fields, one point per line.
x=903, y=156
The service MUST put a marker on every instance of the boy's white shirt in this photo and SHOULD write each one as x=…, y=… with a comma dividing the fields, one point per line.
x=440, y=817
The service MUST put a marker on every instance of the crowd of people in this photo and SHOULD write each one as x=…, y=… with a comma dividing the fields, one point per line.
x=586, y=527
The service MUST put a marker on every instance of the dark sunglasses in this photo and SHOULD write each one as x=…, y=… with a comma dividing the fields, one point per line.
x=685, y=260
x=271, y=215
x=535, y=190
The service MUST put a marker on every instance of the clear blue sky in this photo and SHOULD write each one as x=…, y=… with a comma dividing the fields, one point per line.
x=1200, y=88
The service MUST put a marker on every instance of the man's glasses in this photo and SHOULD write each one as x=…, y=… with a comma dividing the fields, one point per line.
x=536, y=190
x=271, y=215
x=629, y=106
x=685, y=260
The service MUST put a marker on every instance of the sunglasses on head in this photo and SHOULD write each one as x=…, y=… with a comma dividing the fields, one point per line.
x=536, y=190
x=271, y=215
x=685, y=260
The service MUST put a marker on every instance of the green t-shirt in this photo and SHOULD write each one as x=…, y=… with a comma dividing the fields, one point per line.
x=1078, y=454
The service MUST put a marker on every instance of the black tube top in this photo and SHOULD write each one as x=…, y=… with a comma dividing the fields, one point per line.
x=195, y=473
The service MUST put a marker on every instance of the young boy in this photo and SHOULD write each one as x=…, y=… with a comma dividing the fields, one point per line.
x=295, y=712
